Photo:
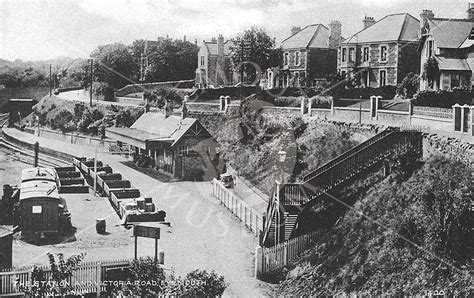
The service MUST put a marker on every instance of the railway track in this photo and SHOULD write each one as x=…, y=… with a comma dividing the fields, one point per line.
x=25, y=155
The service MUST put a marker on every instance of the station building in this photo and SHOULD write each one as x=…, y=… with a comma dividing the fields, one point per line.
x=177, y=146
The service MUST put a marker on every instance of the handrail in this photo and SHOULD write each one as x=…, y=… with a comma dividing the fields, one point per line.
x=269, y=218
x=342, y=159
x=330, y=163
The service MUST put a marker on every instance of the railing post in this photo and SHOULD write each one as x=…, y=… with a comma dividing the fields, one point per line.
x=258, y=261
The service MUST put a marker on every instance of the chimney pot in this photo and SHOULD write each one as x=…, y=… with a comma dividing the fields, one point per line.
x=368, y=21
x=295, y=29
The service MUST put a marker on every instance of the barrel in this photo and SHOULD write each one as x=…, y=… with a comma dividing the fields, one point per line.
x=141, y=203
x=100, y=225
x=149, y=207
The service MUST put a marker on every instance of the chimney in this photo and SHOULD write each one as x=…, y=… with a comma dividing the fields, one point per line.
x=425, y=16
x=184, y=109
x=334, y=33
x=213, y=39
x=295, y=29
x=470, y=11
x=220, y=45
x=184, y=38
x=367, y=22
x=168, y=109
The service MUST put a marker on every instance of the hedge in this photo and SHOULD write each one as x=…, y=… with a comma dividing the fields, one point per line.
x=443, y=98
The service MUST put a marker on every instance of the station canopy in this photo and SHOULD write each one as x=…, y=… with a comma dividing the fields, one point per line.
x=152, y=130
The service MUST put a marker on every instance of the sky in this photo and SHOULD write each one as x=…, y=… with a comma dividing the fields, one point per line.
x=46, y=29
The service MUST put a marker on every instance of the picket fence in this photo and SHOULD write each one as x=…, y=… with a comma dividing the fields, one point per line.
x=246, y=213
x=89, y=277
x=283, y=254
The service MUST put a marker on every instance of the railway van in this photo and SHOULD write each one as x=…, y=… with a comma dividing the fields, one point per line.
x=41, y=208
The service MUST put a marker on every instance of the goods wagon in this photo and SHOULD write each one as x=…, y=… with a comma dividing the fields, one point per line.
x=130, y=204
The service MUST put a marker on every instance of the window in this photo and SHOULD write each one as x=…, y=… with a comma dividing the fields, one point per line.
x=297, y=58
x=183, y=150
x=344, y=55
x=366, y=53
x=455, y=81
x=202, y=60
x=351, y=55
x=383, y=53
x=37, y=209
x=343, y=74
x=285, y=58
x=429, y=50
x=383, y=78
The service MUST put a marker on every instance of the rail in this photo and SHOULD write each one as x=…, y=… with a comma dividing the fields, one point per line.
x=351, y=151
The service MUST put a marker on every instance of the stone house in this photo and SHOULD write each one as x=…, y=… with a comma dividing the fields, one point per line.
x=383, y=52
x=177, y=146
x=214, y=63
x=450, y=42
x=309, y=55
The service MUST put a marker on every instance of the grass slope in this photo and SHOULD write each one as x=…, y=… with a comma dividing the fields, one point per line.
x=408, y=234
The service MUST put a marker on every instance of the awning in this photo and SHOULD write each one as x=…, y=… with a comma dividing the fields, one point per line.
x=129, y=136
x=452, y=64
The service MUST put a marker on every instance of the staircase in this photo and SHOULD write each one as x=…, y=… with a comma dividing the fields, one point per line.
x=289, y=200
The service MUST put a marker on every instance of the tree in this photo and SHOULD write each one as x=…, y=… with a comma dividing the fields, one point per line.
x=431, y=71
x=254, y=52
x=114, y=65
x=172, y=60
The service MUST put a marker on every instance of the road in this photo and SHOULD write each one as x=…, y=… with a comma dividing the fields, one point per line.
x=81, y=95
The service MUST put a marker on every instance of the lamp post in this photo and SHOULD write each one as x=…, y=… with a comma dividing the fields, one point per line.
x=281, y=160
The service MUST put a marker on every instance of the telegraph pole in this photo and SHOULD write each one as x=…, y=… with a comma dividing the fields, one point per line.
x=90, y=90
x=49, y=81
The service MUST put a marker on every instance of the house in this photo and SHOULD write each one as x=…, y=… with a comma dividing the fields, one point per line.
x=178, y=146
x=383, y=52
x=309, y=55
x=6, y=242
x=214, y=63
x=448, y=43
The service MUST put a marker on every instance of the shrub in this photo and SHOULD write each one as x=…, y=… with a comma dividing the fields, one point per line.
x=409, y=85
x=198, y=283
x=444, y=98
x=64, y=121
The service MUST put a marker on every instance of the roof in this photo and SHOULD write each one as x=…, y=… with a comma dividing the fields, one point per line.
x=156, y=127
x=38, y=188
x=311, y=36
x=452, y=63
x=393, y=27
x=212, y=46
x=5, y=231
x=450, y=33
x=47, y=174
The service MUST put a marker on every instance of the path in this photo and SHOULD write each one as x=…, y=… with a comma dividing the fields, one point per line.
x=203, y=233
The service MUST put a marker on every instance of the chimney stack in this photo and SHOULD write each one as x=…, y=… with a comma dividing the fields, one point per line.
x=367, y=22
x=425, y=16
x=295, y=29
x=184, y=109
x=220, y=45
x=334, y=34
x=168, y=109
x=470, y=11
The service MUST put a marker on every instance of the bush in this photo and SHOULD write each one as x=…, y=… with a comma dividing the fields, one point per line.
x=444, y=98
x=63, y=121
x=409, y=85
x=387, y=92
x=158, y=97
x=198, y=283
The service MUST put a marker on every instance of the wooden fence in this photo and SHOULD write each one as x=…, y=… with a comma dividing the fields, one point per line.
x=90, y=277
x=283, y=254
x=246, y=213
